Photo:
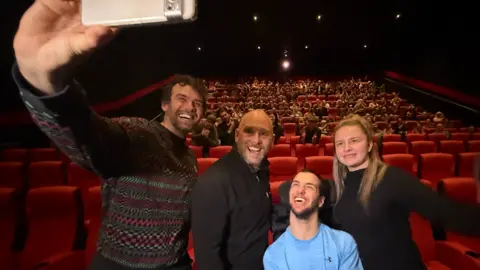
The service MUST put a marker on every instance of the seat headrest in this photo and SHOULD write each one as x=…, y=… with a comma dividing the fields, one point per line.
x=330, y=192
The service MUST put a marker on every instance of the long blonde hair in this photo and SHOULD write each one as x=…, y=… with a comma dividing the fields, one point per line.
x=375, y=171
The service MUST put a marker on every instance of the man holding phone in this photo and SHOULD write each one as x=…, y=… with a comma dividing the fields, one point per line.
x=148, y=169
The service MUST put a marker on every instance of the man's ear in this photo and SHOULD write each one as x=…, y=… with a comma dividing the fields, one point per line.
x=165, y=106
x=321, y=201
x=370, y=146
x=237, y=133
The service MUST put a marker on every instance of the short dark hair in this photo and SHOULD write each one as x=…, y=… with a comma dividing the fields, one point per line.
x=220, y=111
x=324, y=188
x=195, y=83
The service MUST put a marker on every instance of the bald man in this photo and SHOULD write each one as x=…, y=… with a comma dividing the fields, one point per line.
x=231, y=204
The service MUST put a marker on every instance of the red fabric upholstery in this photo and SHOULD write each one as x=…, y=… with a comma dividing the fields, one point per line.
x=436, y=166
x=12, y=174
x=437, y=137
x=329, y=149
x=82, y=178
x=404, y=161
x=219, y=151
x=282, y=168
x=8, y=218
x=46, y=173
x=324, y=139
x=15, y=154
x=465, y=163
x=452, y=147
x=289, y=129
x=42, y=154
x=197, y=150
x=415, y=137
x=394, y=148
x=461, y=189
x=422, y=147
x=321, y=165
x=460, y=136
x=280, y=150
x=70, y=260
x=392, y=138
x=274, y=186
x=93, y=216
x=474, y=146
x=305, y=150
x=53, y=217
x=204, y=163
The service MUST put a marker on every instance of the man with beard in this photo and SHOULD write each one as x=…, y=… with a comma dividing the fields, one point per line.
x=147, y=170
x=231, y=204
x=307, y=243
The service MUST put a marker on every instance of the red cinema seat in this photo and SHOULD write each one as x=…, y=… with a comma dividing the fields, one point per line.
x=204, y=163
x=54, y=225
x=274, y=186
x=197, y=150
x=474, y=146
x=321, y=165
x=394, y=148
x=324, y=139
x=43, y=154
x=93, y=219
x=413, y=137
x=476, y=136
x=282, y=168
x=436, y=166
x=46, y=173
x=219, y=151
x=82, y=178
x=391, y=138
x=280, y=150
x=439, y=255
x=461, y=189
x=404, y=161
x=460, y=136
x=305, y=150
x=465, y=163
x=329, y=149
x=289, y=129
x=282, y=140
x=451, y=147
x=188, y=141
x=9, y=210
x=437, y=137
x=15, y=154
x=422, y=147
x=12, y=175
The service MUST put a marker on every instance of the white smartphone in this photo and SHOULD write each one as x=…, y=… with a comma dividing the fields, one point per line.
x=137, y=12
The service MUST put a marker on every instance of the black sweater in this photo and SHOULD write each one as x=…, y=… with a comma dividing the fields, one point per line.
x=231, y=210
x=383, y=236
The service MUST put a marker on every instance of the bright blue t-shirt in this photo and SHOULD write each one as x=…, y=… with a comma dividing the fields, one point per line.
x=329, y=249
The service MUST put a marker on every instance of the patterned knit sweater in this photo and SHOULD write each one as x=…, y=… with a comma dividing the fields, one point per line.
x=148, y=174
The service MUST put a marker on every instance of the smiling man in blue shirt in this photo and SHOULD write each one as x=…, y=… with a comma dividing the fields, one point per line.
x=307, y=244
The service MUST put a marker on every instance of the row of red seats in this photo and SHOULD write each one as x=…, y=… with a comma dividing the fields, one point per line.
x=49, y=229
x=32, y=155
x=21, y=175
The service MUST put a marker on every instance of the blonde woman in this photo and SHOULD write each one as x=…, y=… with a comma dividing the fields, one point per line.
x=375, y=201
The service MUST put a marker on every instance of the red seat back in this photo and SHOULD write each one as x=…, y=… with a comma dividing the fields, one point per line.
x=394, y=148
x=197, y=150
x=8, y=219
x=280, y=150
x=93, y=217
x=204, y=163
x=329, y=149
x=413, y=137
x=436, y=166
x=391, y=138
x=282, y=168
x=404, y=161
x=43, y=154
x=219, y=151
x=474, y=146
x=46, y=173
x=54, y=216
x=15, y=154
x=321, y=165
x=465, y=162
x=422, y=147
x=12, y=175
x=460, y=136
x=452, y=147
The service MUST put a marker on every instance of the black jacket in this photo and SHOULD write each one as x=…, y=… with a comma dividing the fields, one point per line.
x=231, y=215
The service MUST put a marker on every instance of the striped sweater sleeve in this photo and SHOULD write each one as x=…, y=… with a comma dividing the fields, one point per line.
x=96, y=143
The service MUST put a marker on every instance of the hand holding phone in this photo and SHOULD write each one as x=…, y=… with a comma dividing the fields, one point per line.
x=51, y=41
x=135, y=12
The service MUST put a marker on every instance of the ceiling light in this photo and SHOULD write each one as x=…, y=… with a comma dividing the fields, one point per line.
x=255, y=18
x=319, y=17
x=285, y=64
x=398, y=16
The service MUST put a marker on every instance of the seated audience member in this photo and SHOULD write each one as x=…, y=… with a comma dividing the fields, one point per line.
x=311, y=132
x=307, y=243
x=205, y=134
